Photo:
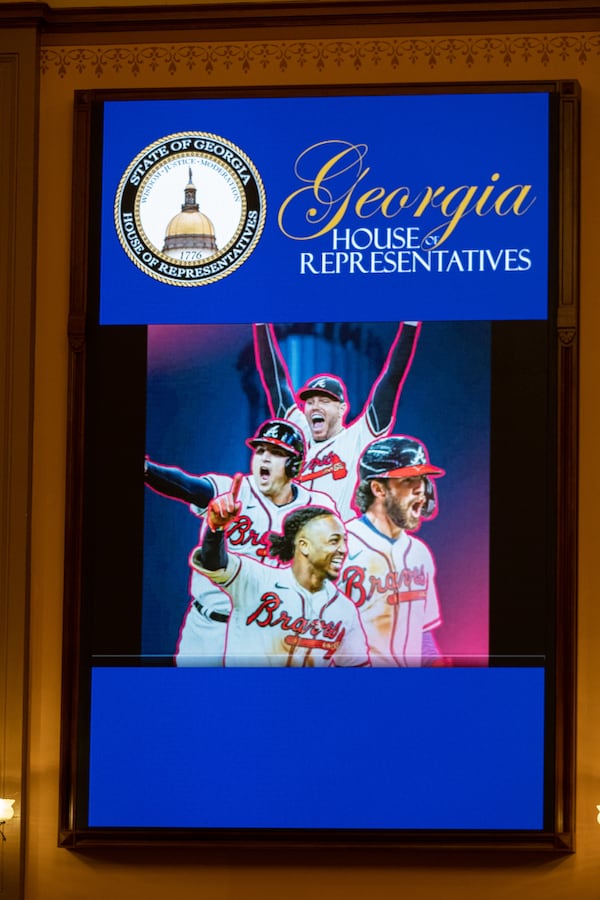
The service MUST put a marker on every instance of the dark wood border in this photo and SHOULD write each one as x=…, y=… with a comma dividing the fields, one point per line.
x=564, y=274
x=567, y=454
x=297, y=13
x=19, y=97
x=75, y=449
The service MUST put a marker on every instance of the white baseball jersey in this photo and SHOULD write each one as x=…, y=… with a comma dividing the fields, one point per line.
x=332, y=465
x=276, y=622
x=202, y=635
x=259, y=515
x=392, y=583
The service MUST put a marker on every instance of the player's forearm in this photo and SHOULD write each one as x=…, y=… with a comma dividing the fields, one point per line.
x=179, y=485
x=388, y=387
x=212, y=560
x=212, y=553
x=272, y=371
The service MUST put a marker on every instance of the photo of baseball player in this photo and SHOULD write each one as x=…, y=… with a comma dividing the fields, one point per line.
x=390, y=573
x=319, y=408
x=206, y=400
x=264, y=497
x=289, y=616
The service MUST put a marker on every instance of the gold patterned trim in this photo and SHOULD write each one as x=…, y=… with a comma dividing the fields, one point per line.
x=318, y=56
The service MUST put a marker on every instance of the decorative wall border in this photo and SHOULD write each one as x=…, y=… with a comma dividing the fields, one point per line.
x=320, y=55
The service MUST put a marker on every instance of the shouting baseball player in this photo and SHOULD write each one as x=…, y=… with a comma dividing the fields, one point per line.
x=320, y=409
x=289, y=616
x=265, y=496
x=389, y=573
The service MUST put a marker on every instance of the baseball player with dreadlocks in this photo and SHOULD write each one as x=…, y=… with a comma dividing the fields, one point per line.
x=265, y=496
x=289, y=616
x=320, y=408
x=390, y=573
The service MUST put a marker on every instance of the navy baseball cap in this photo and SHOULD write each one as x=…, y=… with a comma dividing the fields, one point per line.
x=396, y=456
x=324, y=384
x=280, y=433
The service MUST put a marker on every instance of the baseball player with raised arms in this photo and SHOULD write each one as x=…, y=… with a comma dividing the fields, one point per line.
x=389, y=573
x=293, y=615
x=320, y=408
x=265, y=496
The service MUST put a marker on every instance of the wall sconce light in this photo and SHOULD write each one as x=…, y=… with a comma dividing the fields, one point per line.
x=6, y=813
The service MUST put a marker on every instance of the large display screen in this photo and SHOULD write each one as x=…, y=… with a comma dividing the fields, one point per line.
x=317, y=508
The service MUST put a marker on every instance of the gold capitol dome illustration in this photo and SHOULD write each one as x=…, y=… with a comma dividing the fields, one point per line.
x=190, y=229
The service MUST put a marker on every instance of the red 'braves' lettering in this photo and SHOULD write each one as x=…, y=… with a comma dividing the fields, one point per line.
x=315, y=626
x=332, y=630
x=329, y=464
x=270, y=602
x=353, y=584
x=417, y=574
x=393, y=583
x=284, y=620
x=240, y=533
x=311, y=644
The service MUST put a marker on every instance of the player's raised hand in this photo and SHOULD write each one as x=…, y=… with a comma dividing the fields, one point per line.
x=224, y=508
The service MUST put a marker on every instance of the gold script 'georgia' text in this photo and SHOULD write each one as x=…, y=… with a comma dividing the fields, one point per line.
x=332, y=188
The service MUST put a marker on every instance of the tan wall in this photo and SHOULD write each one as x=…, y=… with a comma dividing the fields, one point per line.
x=56, y=874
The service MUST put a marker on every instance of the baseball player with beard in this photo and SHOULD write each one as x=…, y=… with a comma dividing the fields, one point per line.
x=265, y=496
x=389, y=573
x=320, y=408
x=293, y=615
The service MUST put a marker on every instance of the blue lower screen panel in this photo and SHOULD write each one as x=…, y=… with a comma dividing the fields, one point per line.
x=293, y=748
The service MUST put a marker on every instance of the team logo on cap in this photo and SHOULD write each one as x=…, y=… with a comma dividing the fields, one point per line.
x=325, y=384
x=272, y=432
x=281, y=432
x=190, y=209
x=419, y=458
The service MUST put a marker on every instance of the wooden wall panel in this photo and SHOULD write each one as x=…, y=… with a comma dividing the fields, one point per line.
x=18, y=156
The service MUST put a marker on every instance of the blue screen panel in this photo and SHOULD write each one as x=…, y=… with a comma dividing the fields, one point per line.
x=255, y=748
x=435, y=205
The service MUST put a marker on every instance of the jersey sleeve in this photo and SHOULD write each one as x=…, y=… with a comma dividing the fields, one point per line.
x=218, y=576
x=197, y=490
x=430, y=652
x=220, y=484
x=243, y=578
x=353, y=441
x=353, y=649
x=273, y=371
x=382, y=405
x=297, y=418
x=433, y=615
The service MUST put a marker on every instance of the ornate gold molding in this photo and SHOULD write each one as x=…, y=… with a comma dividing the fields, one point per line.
x=318, y=56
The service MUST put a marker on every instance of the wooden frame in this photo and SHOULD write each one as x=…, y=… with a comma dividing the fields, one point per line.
x=88, y=360
x=79, y=21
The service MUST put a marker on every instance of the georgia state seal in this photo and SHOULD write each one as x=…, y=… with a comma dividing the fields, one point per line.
x=216, y=227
